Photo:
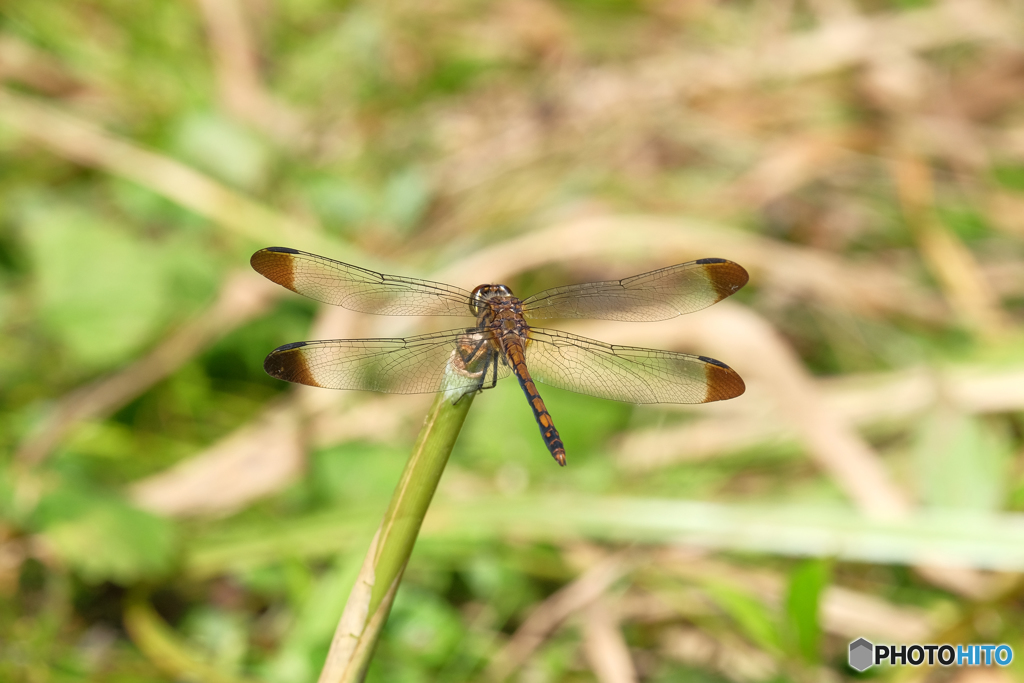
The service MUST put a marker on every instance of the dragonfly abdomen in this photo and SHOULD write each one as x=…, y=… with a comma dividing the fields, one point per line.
x=552, y=440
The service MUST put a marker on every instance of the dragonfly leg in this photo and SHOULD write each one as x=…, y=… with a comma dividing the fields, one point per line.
x=468, y=357
x=476, y=362
x=480, y=382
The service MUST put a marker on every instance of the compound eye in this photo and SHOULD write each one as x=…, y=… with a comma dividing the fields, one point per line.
x=477, y=299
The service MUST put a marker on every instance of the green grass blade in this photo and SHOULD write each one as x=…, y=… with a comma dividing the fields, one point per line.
x=166, y=649
x=374, y=591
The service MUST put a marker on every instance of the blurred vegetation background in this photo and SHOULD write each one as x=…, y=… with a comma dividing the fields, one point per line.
x=169, y=512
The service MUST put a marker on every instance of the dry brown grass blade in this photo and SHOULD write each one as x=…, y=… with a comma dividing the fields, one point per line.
x=863, y=401
x=1006, y=210
x=844, y=612
x=236, y=65
x=24, y=63
x=790, y=165
x=189, y=488
x=840, y=45
x=834, y=10
x=605, y=647
x=551, y=613
x=500, y=138
x=243, y=297
x=255, y=461
x=84, y=143
x=986, y=675
x=731, y=657
x=373, y=419
x=947, y=257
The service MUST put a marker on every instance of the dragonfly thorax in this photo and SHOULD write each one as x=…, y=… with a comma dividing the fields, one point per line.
x=487, y=293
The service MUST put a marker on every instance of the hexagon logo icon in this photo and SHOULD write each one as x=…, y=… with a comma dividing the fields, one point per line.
x=861, y=654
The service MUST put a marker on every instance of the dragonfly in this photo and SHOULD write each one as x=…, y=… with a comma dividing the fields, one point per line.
x=502, y=342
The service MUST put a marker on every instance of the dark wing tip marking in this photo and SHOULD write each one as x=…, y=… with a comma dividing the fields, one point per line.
x=723, y=382
x=713, y=361
x=725, y=276
x=275, y=264
x=290, y=367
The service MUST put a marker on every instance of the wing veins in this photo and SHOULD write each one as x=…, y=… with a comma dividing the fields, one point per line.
x=627, y=373
x=357, y=288
x=656, y=295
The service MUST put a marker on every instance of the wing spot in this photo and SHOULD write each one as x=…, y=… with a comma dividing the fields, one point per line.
x=290, y=367
x=722, y=383
x=289, y=347
x=275, y=268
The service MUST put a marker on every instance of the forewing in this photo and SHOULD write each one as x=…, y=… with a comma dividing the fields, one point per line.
x=627, y=373
x=658, y=295
x=414, y=365
x=356, y=288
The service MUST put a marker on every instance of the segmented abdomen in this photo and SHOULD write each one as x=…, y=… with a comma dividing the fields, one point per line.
x=517, y=359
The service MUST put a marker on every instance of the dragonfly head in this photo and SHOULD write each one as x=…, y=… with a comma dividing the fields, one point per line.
x=486, y=293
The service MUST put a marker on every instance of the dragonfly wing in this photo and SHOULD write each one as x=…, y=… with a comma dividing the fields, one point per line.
x=627, y=373
x=355, y=288
x=414, y=365
x=658, y=295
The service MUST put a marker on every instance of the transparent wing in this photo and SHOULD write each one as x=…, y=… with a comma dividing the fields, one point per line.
x=627, y=373
x=358, y=289
x=414, y=365
x=658, y=295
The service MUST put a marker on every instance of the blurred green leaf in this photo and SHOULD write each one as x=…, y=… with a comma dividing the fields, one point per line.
x=223, y=148
x=585, y=423
x=355, y=473
x=806, y=584
x=222, y=635
x=422, y=626
x=340, y=202
x=307, y=641
x=406, y=196
x=99, y=289
x=961, y=462
x=965, y=220
x=8, y=502
x=104, y=539
x=165, y=648
x=751, y=615
x=1011, y=177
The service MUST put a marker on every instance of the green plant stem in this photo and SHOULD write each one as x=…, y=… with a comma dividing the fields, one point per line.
x=164, y=648
x=374, y=591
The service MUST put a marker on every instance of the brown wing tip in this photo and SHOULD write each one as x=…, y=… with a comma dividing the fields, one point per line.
x=723, y=382
x=276, y=264
x=287, y=364
x=725, y=276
